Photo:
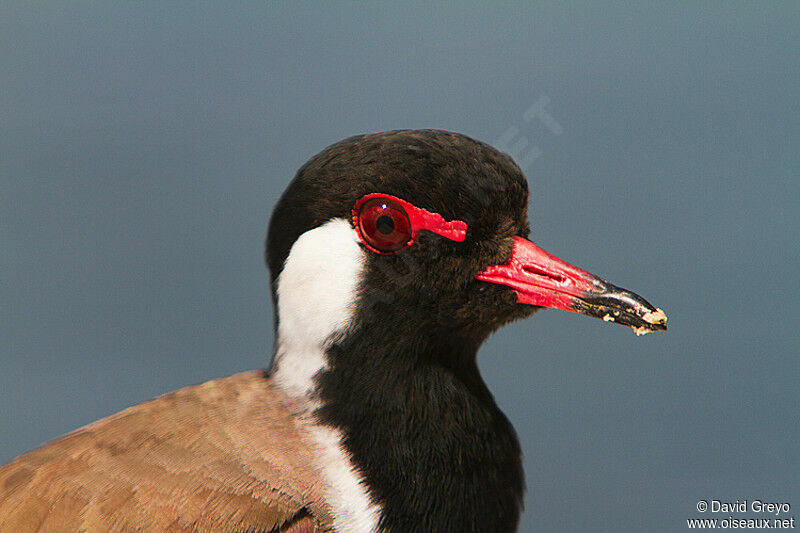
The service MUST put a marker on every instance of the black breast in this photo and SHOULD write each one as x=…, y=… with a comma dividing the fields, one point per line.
x=436, y=452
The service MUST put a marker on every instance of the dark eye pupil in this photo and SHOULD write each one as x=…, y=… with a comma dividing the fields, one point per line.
x=385, y=224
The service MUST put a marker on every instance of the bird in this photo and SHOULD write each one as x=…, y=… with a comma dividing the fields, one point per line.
x=392, y=257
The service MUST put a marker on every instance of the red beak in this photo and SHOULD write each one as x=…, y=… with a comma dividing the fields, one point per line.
x=539, y=278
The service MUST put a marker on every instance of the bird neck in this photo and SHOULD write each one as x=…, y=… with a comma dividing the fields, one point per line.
x=418, y=421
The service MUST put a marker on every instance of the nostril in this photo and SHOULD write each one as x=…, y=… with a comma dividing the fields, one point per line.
x=536, y=271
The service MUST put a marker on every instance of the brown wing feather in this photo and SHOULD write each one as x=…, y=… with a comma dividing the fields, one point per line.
x=301, y=524
x=225, y=456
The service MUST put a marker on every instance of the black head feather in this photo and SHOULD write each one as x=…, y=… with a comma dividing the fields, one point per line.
x=403, y=385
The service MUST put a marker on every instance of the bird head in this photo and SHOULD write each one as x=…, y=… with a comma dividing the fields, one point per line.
x=422, y=234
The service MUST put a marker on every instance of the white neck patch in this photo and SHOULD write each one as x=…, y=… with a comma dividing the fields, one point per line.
x=316, y=300
x=317, y=291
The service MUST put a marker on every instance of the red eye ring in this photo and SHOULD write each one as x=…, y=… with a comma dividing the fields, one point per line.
x=383, y=224
x=387, y=224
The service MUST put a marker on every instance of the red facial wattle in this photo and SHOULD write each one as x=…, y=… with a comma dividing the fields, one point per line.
x=387, y=224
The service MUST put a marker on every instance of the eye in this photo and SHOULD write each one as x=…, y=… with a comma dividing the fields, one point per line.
x=384, y=225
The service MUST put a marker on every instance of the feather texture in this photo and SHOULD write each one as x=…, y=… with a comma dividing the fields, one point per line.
x=226, y=455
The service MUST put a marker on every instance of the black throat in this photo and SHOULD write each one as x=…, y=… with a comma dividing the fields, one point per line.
x=436, y=452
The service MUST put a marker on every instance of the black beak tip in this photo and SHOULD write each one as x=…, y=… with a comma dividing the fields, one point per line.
x=654, y=320
x=643, y=330
x=623, y=307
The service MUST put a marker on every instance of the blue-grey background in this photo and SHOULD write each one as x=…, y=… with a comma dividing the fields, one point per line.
x=143, y=145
